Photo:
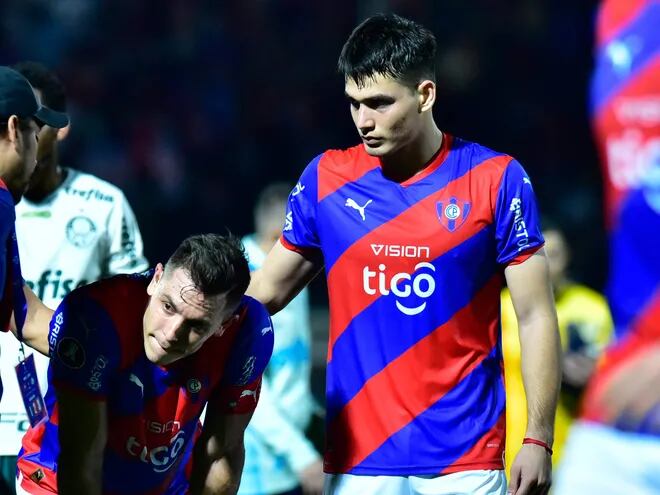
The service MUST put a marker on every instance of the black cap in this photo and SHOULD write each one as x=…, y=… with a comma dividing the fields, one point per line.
x=17, y=98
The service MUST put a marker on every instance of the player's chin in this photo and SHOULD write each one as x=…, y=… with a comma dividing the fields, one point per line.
x=156, y=354
x=377, y=148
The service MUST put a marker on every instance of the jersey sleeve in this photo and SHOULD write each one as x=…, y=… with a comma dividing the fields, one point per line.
x=238, y=392
x=84, y=347
x=517, y=224
x=126, y=249
x=300, y=231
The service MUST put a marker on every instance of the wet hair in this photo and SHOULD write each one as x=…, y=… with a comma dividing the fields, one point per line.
x=52, y=89
x=391, y=46
x=216, y=264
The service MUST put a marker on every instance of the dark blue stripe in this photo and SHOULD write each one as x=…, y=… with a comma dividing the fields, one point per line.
x=381, y=333
x=642, y=39
x=448, y=429
x=389, y=199
x=635, y=263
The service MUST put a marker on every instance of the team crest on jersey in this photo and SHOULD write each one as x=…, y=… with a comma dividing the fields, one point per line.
x=80, y=231
x=452, y=213
x=71, y=353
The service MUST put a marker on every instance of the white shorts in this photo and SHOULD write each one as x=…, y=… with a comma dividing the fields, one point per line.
x=481, y=482
x=603, y=460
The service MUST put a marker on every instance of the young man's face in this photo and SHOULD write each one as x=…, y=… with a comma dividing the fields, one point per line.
x=179, y=318
x=386, y=113
x=24, y=159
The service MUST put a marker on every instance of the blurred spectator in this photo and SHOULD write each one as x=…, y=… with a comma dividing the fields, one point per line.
x=73, y=228
x=585, y=328
x=279, y=459
x=615, y=447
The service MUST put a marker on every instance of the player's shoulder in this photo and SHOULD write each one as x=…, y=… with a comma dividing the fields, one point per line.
x=346, y=160
x=253, y=315
x=90, y=188
x=121, y=296
x=478, y=155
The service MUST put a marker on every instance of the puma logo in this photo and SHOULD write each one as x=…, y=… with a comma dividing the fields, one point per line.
x=134, y=379
x=350, y=202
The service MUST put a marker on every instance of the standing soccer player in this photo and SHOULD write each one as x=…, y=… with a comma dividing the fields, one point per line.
x=20, y=117
x=73, y=228
x=134, y=360
x=418, y=230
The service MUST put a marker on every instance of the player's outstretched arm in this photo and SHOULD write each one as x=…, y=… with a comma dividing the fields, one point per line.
x=82, y=436
x=219, y=454
x=37, y=320
x=282, y=276
x=531, y=294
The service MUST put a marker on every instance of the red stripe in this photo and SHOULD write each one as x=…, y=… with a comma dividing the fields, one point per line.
x=625, y=146
x=126, y=309
x=416, y=380
x=296, y=249
x=417, y=226
x=525, y=255
x=644, y=337
x=337, y=168
x=3, y=185
x=487, y=453
x=434, y=163
x=614, y=16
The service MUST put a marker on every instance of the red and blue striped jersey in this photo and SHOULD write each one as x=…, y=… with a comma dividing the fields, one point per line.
x=625, y=107
x=637, y=275
x=414, y=270
x=626, y=120
x=625, y=96
x=97, y=350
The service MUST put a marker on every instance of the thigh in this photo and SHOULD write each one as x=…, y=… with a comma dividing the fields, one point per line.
x=476, y=482
x=349, y=484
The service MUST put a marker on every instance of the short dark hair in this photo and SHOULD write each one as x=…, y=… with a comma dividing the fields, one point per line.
x=40, y=77
x=217, y=265
x=388, y=45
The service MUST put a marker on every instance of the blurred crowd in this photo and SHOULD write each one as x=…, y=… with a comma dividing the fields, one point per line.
x=193, y=106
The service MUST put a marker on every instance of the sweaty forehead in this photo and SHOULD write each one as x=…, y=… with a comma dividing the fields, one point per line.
x=179, y=287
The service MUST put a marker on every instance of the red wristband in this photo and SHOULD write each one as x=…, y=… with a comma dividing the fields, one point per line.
x=534, y=441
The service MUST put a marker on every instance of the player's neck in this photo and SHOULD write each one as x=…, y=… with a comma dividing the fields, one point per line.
x=46, y=179
x=414, y=157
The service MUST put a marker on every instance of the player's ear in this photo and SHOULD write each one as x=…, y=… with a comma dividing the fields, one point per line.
x=13, y=130
x=158, y=274
x=426, y=95
x=63, y=132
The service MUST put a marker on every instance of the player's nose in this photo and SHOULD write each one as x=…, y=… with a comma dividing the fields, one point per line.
x=173, y=331
x=365, y=120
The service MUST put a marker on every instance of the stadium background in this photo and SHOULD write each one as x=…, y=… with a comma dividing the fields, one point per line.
x=192, y=106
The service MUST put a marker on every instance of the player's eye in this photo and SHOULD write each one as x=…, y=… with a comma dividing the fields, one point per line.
x=354, y=104
x=167, y=307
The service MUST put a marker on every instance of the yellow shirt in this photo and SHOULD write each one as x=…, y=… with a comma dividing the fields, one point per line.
x=584, y=316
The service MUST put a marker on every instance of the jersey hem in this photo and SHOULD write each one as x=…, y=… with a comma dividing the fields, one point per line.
x=421, y=470
x=524, y=256
x=294, y=248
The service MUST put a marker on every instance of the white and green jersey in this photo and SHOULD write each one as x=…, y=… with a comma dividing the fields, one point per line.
x=85, y=230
